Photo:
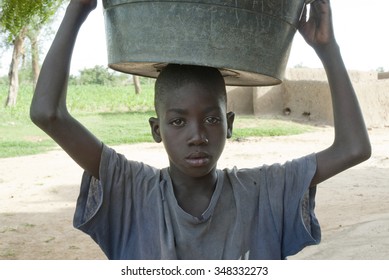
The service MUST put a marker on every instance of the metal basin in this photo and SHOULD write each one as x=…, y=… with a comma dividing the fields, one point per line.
x=249, y=41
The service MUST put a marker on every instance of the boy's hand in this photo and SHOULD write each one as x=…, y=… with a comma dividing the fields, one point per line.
x=318, y=30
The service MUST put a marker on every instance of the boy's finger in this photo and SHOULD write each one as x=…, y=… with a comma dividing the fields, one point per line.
x=320, y=6
x=320, y=11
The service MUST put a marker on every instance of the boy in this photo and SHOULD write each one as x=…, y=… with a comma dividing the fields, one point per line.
x=192, y=210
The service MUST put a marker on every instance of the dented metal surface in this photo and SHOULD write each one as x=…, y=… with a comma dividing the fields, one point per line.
x=249, y=41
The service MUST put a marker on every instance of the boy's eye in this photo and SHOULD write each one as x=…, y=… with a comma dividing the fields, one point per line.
x=212, y=120
x=177, y=122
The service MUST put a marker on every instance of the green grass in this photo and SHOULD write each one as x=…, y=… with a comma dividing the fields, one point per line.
x=116, y=115
x=119, y=128
x=95, y=98
x=249, y=126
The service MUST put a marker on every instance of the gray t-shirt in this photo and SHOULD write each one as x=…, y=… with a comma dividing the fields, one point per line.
x=257, y=213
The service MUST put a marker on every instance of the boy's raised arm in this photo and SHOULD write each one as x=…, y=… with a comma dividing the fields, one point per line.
x=351, y=144
x=48, y=108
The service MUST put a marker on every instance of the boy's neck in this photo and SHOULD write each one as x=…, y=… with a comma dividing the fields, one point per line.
x=194, y=194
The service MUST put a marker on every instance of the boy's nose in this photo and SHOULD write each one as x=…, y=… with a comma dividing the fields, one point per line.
x=197, y=136
x=197, y=141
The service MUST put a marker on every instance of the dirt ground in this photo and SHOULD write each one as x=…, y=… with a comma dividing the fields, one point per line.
x=38, y=195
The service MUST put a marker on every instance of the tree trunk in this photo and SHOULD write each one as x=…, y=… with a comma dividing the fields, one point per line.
x=136, y=84
x=35, y=60
x=13, y=73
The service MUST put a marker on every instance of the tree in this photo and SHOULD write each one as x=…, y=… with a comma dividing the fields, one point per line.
x=13, y=74
x=98, y=75
x=18, y=18
x=137, y=85
x=33, y=36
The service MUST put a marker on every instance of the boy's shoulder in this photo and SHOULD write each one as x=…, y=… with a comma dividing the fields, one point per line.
x=307, y=161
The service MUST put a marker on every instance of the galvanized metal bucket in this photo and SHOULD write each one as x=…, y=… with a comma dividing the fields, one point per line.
x=249, y=41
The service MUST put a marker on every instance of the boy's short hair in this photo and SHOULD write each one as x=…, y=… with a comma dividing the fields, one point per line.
x=174, y=76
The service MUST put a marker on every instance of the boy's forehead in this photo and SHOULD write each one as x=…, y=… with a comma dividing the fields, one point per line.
x=195, y=91
x=191, y=96
x=180, y=82
x=197, y=88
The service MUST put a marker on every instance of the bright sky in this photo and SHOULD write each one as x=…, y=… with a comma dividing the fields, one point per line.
x=361, y=30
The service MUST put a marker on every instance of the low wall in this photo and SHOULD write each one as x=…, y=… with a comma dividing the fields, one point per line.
x=305, y=96
x=383, y=75
x=374, y=100
x=240, y=100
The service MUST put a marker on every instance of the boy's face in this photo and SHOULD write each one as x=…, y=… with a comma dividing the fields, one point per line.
x=193, y=125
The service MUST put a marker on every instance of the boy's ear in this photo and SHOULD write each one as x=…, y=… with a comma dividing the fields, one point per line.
x=154, y=125
x=230, y=122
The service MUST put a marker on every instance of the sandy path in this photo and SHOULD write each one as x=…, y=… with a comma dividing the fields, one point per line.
x=38, y=194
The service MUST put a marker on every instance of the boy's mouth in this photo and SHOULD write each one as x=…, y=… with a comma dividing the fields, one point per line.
x=198, y=159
